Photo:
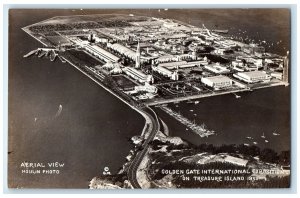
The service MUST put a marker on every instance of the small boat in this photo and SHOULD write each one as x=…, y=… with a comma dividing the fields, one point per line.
x=35, y=119
x=186, y=129
x=249, y=138
x=196, y=102
x=254, y=142
x=246, y=144
x=263, y=136
x=236, y=96
x=266, y=141
x=276, y=134
x=191, y=110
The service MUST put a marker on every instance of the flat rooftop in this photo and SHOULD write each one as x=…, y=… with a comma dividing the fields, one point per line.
x=217, y=79
x=253, y=73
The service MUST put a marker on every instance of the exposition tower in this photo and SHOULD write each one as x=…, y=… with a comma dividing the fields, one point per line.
x=138, y=56
x=285, y=75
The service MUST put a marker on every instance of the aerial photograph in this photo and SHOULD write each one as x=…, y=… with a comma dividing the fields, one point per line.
x=149, y=98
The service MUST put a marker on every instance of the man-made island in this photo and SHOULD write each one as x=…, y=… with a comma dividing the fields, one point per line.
x=147, y=61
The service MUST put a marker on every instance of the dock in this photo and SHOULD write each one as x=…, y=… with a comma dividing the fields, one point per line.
x=192, y=97
x=200, y=130
x=30, y=53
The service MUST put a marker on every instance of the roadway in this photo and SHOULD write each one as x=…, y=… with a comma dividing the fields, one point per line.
x=152, y=131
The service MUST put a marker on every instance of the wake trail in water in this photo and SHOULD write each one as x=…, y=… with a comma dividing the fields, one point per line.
x=58, y=111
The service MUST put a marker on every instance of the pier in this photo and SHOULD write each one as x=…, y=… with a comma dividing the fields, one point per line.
x=40, y=52
x=198, y=129
x=192, y=97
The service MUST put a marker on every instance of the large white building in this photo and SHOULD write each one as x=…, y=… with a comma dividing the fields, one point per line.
x=166, y=72
x=101, y=53
x=124, y=50
x=217, y=82
x=95, y=50
x=252, y=76
x=183, y=64
x=138, y=75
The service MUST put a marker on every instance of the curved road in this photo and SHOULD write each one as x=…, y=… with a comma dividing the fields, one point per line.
x=152, y=130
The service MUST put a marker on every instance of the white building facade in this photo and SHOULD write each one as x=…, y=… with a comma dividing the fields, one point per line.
x=217, y=82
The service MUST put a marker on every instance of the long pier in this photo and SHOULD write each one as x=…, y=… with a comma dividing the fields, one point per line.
x=198, y=129
x=193, y=97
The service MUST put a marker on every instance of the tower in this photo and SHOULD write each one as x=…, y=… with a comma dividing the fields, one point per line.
x=91, y=37
x=138, y=56
x=285, y=74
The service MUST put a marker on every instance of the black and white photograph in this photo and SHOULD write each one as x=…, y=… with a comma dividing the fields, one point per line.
x=151, y=98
